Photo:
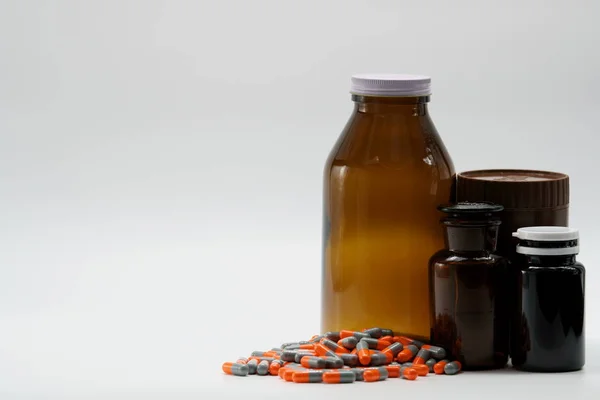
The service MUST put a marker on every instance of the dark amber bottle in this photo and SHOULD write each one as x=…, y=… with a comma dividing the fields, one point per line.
x=383, y=181
x=468, y=288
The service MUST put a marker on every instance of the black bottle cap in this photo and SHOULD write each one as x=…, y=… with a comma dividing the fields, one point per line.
x=471, y=209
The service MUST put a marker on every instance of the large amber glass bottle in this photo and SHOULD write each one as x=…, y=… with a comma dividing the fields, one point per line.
x=384, y=179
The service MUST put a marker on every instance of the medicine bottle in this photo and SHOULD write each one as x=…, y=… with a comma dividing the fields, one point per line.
x=469, y=313
x=548, y=322
x=383, y=181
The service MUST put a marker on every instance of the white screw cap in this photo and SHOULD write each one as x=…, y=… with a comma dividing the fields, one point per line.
x=391, y=85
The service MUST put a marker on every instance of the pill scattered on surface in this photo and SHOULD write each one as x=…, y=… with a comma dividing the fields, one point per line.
x=393, y=371
x=252, y=364
x=358, y=335
x=438, y=368
x=421, y=369
x=362, y=350
x=235, y=369
x=350, y=360
x=422, y=356
x=347, y=356
x=431, y=363
x=436, y=352
x=308, y=376
x=263, y=367
x=408, y=373
x=331, y=345
x=349, y=342
x=452, y=368
x=313, y=362
x=374, y=332
x=339, y=377
x=375, y=374
x=407, y=353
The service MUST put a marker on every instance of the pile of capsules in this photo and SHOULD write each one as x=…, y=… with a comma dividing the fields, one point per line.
x=346, y=356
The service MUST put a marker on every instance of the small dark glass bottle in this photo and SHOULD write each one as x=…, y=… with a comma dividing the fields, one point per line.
x=467, y=287
x=548, y=322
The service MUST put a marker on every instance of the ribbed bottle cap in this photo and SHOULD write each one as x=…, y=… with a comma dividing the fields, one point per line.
x=392, y=85
x=514, y=189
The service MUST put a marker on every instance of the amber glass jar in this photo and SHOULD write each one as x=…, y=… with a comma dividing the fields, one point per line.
x=468, y=288
x=383, y=181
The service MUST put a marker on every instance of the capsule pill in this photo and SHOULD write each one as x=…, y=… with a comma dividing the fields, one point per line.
x=310, y=346
x=393, y=349
x=331, y=345
x=374, y=332
x=313, y=362
x=430, y=364
x=393, y=371
x=452, y=368
x=358, y=335
x=339, y=377
x=275, y=367
x=348, y=343
x=362, y=350
x=422, y=356
x=350, y=360
x=333, y=362
x=436, y=352
x=235, y=369
x=322, y=350
x=387, y=332
x=252, y=364
x=263, y=368
x=375, y=374
x=438, y=368
x=301, y=354
x=308, y=376
x=380, y=359
x=376, y=343
x=407, y=353
x=421, y=369
x=408, y=373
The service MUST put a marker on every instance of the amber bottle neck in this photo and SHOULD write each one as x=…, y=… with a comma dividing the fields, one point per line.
x=410, y=106
x=471, y=237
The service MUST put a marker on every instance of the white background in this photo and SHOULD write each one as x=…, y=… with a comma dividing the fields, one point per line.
x=160, y=175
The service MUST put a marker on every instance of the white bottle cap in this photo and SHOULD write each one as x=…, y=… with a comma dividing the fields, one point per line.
x=392, y=85
x=548, y=234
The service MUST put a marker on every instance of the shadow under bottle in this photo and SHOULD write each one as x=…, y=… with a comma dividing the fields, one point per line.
x=468, y=288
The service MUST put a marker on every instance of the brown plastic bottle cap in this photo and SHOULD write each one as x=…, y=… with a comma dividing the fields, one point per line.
x=515, y=188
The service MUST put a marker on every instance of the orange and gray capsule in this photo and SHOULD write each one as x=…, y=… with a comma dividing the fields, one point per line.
x=358, y=335
x=348, y=343
x=438, y=368
x=313, y=362
x=422, y=356
x=307, y=376
x=290, y=355
x=301, y=354
x=393, y=350
x=374, y=332
x=322, y=350
x=331, y=345
x=408, y=373
x=335, y=336
x=309, y=346
x=421, y=369
x=235, y=369
x=275, y=367
x=333, y=362
x=289, y=373
x=393, y=371
x=339, y=377
x=252, y=364
x=430, y=364
x=436, y=352
x=376, y=343
x=408, y=353
x=263, y=367
x=380, y=359
x=452, y=368
x=358, y=372
x=375, y=374
x=350, y=360
x=362, y=350
x=387, y=332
